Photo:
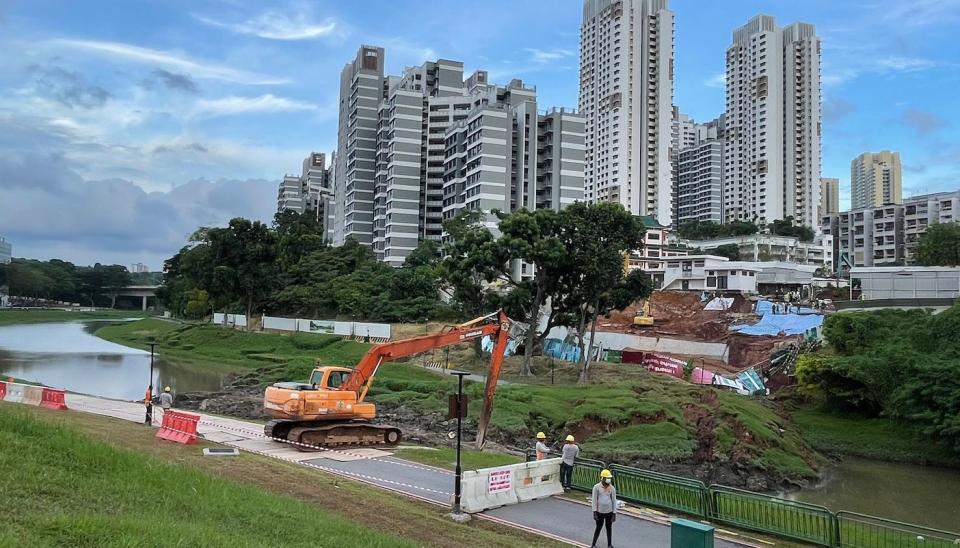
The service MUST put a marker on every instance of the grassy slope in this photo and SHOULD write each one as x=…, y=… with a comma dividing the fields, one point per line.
x=446, y=457
x=10, y=317
x=217, y=347
x=876, y=438
x=106, y=496
x=121, y=486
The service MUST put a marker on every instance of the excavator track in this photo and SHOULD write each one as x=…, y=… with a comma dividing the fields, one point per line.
x=327, y=435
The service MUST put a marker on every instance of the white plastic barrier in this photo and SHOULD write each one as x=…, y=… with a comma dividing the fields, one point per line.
x=538, y=479
x=487, y=488
x=32, y=395
x=14, y=393
x=282, y=324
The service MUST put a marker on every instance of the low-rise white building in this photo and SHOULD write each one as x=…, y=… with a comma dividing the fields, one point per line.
x=710, y=273
x=908, y=282
x=771, y=247
x=656, y=249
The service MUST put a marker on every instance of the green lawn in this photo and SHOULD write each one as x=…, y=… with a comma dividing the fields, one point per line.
x=446, y=457
x=222, y=348
x=58, y=488
x=11, y=317
x=876, y=438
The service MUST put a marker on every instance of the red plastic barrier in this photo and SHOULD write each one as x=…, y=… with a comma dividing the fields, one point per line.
x=3, y=390
x=53, y=398
x=179, y=427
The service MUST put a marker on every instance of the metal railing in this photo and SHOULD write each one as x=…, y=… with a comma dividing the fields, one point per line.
x=661, y=490
x=773, y=515
x=862, y=531
x=809, y=523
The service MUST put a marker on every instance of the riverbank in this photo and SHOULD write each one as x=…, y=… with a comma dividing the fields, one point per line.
x=147, y=490
x=29, y=316
x=874, y=438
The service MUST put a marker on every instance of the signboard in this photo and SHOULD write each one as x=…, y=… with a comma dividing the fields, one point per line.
x=499, y=481
x=664, y=365
x=320, y=326
x=452, y=406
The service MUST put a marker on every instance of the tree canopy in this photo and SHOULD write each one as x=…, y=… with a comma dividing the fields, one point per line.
x=708, y=230
x=939, y=245
x=63, y=281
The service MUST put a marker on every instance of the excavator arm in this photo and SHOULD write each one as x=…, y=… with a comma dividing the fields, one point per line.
x=495, y=325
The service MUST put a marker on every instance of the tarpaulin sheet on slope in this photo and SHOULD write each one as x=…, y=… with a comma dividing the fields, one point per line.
x=788, y=324
x=486, y=344
x=751, y=380
x=719, y=303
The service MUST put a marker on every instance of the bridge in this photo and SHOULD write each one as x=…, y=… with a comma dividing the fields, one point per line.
x=143, y=292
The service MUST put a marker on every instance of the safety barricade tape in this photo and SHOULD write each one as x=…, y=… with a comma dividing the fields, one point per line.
x=319, y=448
x=329, y=469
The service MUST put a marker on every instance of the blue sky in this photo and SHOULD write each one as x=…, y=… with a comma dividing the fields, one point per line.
x=126, y=124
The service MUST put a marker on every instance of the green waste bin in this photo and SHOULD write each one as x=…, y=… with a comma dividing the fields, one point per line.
x=690, y=534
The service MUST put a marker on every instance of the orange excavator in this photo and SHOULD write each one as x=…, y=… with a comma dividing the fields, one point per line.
x=330, y=410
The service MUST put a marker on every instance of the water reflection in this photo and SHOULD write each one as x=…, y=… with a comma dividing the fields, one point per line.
x=68, y=355
x=903, y=492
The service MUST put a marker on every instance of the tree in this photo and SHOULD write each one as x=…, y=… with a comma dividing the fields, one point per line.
x=939, y=245
x=468, y=267
x=598, y=238
x=730, y=251
x=786, y=227
x=708, y=230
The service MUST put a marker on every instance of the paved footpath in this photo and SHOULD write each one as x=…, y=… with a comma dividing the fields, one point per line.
x=559, y=518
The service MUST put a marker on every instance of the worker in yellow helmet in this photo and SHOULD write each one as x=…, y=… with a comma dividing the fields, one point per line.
x=569, y=455
x=542, y=448
x=604, y=503
x=166, y=399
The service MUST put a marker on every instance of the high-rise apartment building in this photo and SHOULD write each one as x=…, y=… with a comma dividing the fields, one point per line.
x=829, y=196
x=361, y=90
x=626, y=98
x=428, y=162
x=888, y=235
x=772, y=149
x=6, y=250
x=290, y=195
x=699, y=168
x=875, y=179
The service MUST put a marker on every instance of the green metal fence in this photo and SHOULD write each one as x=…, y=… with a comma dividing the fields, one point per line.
x=662, y=490
x=776, y=516
x=586, y=474
x=861, y=531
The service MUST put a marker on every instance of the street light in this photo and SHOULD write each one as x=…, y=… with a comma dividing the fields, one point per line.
x=458, y=406
x=149, y=418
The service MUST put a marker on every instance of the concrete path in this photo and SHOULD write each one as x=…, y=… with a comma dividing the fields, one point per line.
x=562, y=519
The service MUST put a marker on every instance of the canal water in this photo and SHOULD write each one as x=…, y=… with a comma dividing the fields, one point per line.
x=68, y=355
x=919, y=495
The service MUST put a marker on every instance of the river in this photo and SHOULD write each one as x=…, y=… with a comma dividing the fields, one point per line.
x=920, y=495
x=68, y=355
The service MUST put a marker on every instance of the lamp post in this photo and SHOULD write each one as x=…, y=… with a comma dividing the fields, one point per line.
x=460, y=408
x=149, y=417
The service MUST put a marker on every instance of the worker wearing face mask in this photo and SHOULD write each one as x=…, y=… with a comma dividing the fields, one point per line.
x=604, y=501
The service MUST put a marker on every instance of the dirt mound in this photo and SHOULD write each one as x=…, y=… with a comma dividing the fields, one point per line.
x=750, y=350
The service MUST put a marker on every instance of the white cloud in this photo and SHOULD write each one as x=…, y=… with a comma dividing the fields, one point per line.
x=920, y=13
x=718, y=80
x=907, y=64
x=137, y=54
x=546, y=56
x=226, y=106
x=274, y=25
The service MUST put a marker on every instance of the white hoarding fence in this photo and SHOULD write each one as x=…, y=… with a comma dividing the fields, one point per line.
x=283, y=324
x=316, y=326
x=372, y=332
x=229, y=320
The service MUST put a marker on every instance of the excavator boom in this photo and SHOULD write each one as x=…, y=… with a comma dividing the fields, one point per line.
x=330, y=410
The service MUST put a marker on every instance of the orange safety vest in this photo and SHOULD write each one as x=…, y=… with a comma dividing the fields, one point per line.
x=147, y=399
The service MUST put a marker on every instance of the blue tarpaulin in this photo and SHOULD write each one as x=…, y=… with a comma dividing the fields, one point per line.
x=486, y=344
x=766, y=307
x=788, y=324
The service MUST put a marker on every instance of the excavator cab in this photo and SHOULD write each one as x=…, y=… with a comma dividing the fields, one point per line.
x=329, y=378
